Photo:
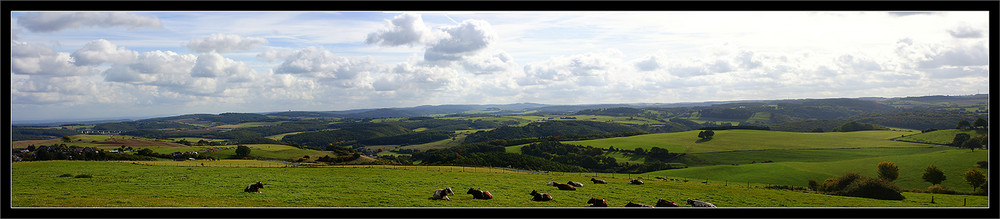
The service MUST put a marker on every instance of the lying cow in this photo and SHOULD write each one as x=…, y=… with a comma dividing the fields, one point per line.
x=477, y=194
x=254, y=188
x=665, y=203
x=562, y=186
x=598, y=181
x=442, y=194
x=699, y=203
x=595, y=202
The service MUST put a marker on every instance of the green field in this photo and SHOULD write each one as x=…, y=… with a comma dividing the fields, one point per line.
x=941, y=136
x=117, y=184
x=797, y=170
x=741, y=140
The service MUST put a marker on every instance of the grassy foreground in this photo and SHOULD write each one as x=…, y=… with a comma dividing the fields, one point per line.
x=121, y=184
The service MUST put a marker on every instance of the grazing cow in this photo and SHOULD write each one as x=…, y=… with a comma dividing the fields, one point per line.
x=630, y=204
x=635, y=182
x=699, y=203
x=476, y=194
x=597, y=202
x=575, y=184
x=562, y=186
x=442, y=194
x=598, y=181
x=665, y=203
x=539, y=196
x=254, y=188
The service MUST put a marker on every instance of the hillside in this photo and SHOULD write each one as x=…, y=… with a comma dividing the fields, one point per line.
x=742, y=140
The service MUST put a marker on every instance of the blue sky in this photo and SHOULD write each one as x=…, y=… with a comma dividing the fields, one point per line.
x=84, y=65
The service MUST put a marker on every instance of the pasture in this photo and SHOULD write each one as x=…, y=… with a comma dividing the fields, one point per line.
x=940, y=136
x=742, y=140
x=117, y=184
x=798, y=171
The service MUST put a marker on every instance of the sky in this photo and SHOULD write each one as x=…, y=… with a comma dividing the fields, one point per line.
x=111, y=64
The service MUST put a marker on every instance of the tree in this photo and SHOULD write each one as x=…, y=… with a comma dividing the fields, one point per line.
x=707, y=134
x=980, y=123
x=242, y=151
x=888, y=171
x=963, y=124
x=975, y=178
x=960, y=139
x=972, y=145
x=933, y=175
x=65, y=139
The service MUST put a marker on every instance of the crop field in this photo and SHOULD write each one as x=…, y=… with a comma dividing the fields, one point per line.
x=115, y=184
x=740, y=140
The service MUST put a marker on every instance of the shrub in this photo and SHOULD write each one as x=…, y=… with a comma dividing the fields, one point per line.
x=84, y=176
x=66, y=175
x=872, y=188
x=853, y=184
x=813, y=185
x=939, y=189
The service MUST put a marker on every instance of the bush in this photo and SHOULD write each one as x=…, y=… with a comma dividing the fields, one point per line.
x=66, y=175
x=84, y=176
x=855, y=185
x=939, y=189
x=873, y=188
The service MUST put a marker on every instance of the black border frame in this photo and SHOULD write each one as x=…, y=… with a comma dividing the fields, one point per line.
x=72, y=212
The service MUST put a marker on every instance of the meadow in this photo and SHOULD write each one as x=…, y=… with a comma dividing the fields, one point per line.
x=121, y=184
x=742, y=140
x=954, y=163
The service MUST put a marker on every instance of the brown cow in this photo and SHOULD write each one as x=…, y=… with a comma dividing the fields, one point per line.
x=476, y=194
x=562, y=186
x=575, y=184
x=630, y=204
x=665, y=203
x=539, y=196
x=635, y=182
x=594, y=202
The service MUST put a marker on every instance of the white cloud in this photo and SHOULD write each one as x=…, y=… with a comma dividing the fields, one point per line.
x=213, y=65
x=34, y=59
x=101, y=51
x=465, y=39
x=489, y=63
x=56, y=21
x=223, y=43
x=404, y=29
x=966, y=31
x=322, y=64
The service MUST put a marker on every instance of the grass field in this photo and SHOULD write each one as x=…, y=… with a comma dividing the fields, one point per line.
x=941, y=136
x=273, y=151
x=797, y=170
x=741, y=140
x=123, y=184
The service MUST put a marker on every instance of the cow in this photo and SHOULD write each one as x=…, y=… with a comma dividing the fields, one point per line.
x=594, y=202
x=442, y=194
x=665, y=203
x=575, y=184
x=476, y=194
x=562, y=186
x=630, y=204
x=254, y=188
x=598, y=181
x=635, y=182
x=699, y=203
x=539, y=196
